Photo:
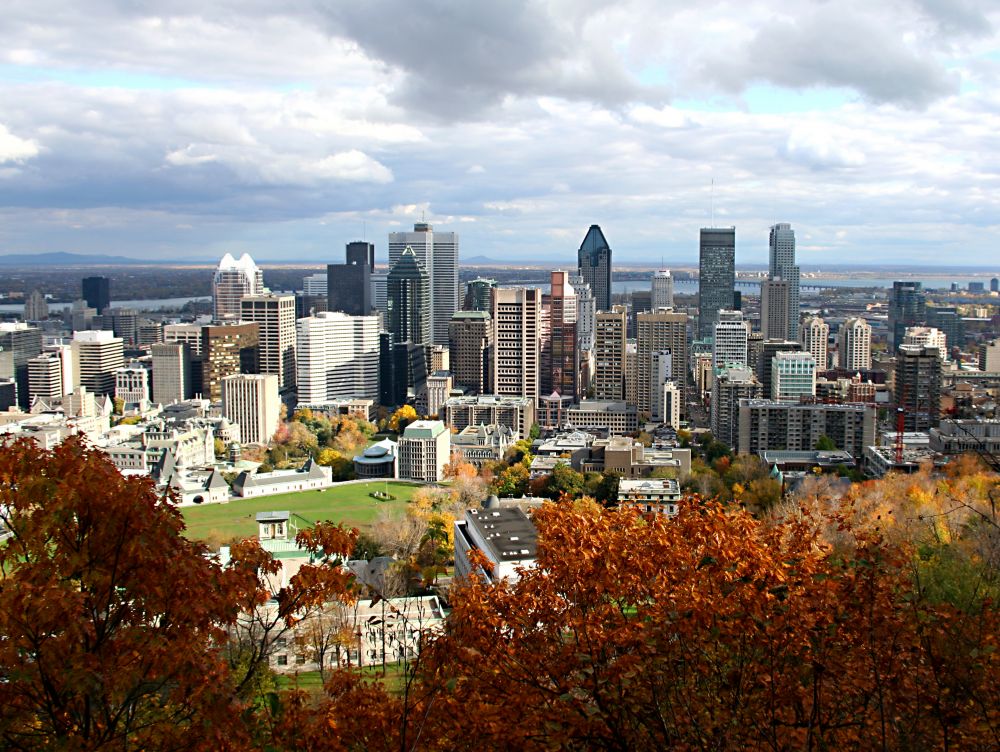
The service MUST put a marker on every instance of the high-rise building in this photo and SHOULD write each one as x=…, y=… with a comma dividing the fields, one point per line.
x=907, y=307
x=798, y=427
x=349, y=287
x=716, y=276
x=252, y=401
x=560, y=356
x=662, y=290
x=21, y=342
x=594, y=264
x=765, y=360
x=663, y=387
x=189, y=334
x=171, y=372
x=226, y=350
x=45, y=377
x=402, y=370
x=774, y=309
x=729, y=386
x=989, y=356
x=97, y=292
x=97, y=354
x=438, y=253
x=609, y=354
x=948, y=319
x=814, y=334
x=918, y=386
x=586, y=313
x=927, y=336
x=471, y=344
x=149, y=333
x=782, y=266
x=275, y=315
x=315, y=285
x=408, y=291
x=854, y=345
x=995, y=284
x=657, y=331
x=35, y=307
x=424, y=450
x=517, y=319
x=380, y=291
x=729, y=346
x=233, y=281
x=793, y=376
x=338, y=356
x=477, y=294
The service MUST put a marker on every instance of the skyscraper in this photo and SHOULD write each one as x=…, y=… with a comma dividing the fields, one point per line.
x=782, y=266
x=814, y=334
x=348, y=286
x=276, y=316
x=907, y=307
x=438, y=253
x=35, y=307
x=854, y=343
x=227, y=349
x=793, y=375
x=560, y=362
x=775, y=301
x=918, y=386
x=234, y=280
x=662, y=290
x=96, y=356
x=20, y=343
x=408, y=299
x=594, y=263
x=171, y=372
x=477, y=294
x=609, y=354
x=338, y=356
x=732, y=334
x=252, y=401
x=658, y=331
x=470, y=346
x=97, y=292
x=517, y=314
x=716, y=276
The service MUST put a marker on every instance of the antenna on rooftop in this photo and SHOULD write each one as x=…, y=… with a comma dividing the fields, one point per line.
x=711, y=205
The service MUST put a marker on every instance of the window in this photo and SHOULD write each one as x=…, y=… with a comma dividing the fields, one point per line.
x=300, y=659
x=282, y=660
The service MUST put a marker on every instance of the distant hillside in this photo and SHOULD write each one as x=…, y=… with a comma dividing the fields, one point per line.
x=482, y=261
x=67, y=259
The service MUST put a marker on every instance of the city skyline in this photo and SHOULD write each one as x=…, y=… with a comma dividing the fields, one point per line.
x=864, y=126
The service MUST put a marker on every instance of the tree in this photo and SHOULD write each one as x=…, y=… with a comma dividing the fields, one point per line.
x=513, y=481
x=564, y=480
x=110, y=618
x=535, y=432
x=219, y=446
x=402, y=418
x=825, y=444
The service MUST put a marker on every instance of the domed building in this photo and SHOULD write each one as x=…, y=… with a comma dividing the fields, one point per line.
x=378, y=461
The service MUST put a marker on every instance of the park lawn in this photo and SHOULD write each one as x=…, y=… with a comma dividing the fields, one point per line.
x=309, y=681
x=348, y=503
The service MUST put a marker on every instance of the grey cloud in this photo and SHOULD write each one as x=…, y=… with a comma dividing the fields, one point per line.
x=959, y=16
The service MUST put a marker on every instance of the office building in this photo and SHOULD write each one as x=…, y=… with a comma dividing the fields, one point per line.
x=252, y=401
x=927, y=336
x=20, y=343
x=995, y=284
x=793, y=376
x=665, y=396
x=918, y=386
x=948, y=319
x=35, y=307
x=234, y=280
x=470, y=338
x=46, y=376
x=338, y=357
x=477, y=294
x=729, y=345
x=437, y=391
x=517, y=319
x=97, y=355
x=662, y=292
x=765, y=360
x=97, y=292
x=814, y=334
x=907, y=307
x=517, y=413
x=408, y=290
x=438, y=254
x=609, y=354
x=989, y=356
x=797, y=427
x=227, y=349
x=150, y=332
x=424, y=450
x=586, y=314
x=613, y=416
x=658, y=331
x=854, y=345
x=782, y=266
x=560, y=356
x=171, y=372
x=380, y=291
x=349, y=286
x=132, y=387
x=729, y=386
x=403, y=370
x=275, y=315
x=716, y=276
x=594, y=265
x=315, y=285
x=774, y=309
x=189, y=334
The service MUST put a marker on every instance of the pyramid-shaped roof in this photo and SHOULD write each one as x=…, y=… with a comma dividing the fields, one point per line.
x=594, y=242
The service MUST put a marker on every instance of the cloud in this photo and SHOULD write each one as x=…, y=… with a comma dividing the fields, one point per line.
x=14, y=149
x=820, y=149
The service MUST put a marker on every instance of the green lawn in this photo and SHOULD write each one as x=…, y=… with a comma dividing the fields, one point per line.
x=349, y=504
x=309, y=681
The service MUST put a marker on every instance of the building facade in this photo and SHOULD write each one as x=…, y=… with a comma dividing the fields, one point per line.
x=609, y=354
x=234, y=280
x=438, y=254
x=338, y=357
x=716, y=276
x=854, y=345
x=424, y=450
x=798, y=427
x=470, y=338
x=658, y=331
x=782, y=266
x=275, y=317
x=252, y=401
x=517, y=315
x=814, y=334
x=97, y=355
x=408, y=299
x=732, y=334
x=662, y=290
x=594, y=265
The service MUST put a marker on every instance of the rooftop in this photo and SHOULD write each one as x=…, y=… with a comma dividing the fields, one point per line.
x=509, y=533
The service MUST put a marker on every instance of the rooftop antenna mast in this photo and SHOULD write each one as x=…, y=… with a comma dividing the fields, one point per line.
x=711, y=205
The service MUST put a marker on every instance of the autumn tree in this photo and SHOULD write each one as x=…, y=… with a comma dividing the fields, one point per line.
x=401, y=418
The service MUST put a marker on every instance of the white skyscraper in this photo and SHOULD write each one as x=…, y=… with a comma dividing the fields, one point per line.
x=97, y=354
x=793, y=375
x=517, y=328
x=233, y=281
x=586, y=312
x=663, y=290
x=927, y=336
x=252, y=401
x=338, y=356
x=438, y=252
x=782, y=265
x=314, y=284
x=732, y=333
x=275, y=315
x=814, y=335
x=855, y=344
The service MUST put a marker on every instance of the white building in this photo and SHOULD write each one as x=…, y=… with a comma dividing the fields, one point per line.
x=854, y=345
x=315, y=285
x=650, y=495
x=438, y=252
x=171, y=372
x=732, y=334
x=132, y=387
x=189, y=334
x=793, y=375
x=814, y=335
x=517, y=318
x=729, y=386
x=338, y=357
x=506, y=536
x=661, y=375
x=50, y=374
x=927, y=336
x=663, y=290
x=233, y=281
x=252, y=401
x=586, y=313
x=424, y=450
x=275, y=317
x=667, y=406
x=97, y=355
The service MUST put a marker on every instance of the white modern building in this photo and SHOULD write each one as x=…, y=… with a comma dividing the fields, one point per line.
x=814, y=335
x=662, y=291
x=854, y=345
x=97, y=354
x=275, y=315
x=315, y=285
x=438, y=253
x=506, y=536
x=234, y=280
x=732, y=334
x=171, y=372
x=793, y=375
x=252, y=401
x=927, y=336
x=337, y=357
x=424, y=450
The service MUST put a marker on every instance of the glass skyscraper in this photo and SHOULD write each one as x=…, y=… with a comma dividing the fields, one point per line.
x=782, y=265
x=594, y=264
x=408, y=300
x=716, y=276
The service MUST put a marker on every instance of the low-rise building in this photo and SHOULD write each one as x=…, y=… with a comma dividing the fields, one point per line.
x=769, y=424
x=310, y=477
x=380, y=460
x=615, y=417
x=506, y=536
x=650, y=495
x=481, y=444
x=959, y=436
x=353, y=406
x=517, y=413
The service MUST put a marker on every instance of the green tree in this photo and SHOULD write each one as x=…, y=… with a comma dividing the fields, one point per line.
x=564, y=480
x=825, y=444
x=535, y=432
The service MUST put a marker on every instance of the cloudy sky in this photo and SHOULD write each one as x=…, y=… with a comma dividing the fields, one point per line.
x=188, y=128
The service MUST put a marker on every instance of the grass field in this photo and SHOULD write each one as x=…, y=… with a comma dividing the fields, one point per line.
x=349, y=504
x=309, y=681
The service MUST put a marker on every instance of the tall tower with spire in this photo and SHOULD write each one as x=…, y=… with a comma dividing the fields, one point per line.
x=594, y=264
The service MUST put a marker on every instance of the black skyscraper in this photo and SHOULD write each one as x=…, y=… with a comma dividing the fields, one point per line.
x=408, y=299
x=349, y=286
x=97, y=292
x=594, y=263
x=907, y=307
x=716, y=276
